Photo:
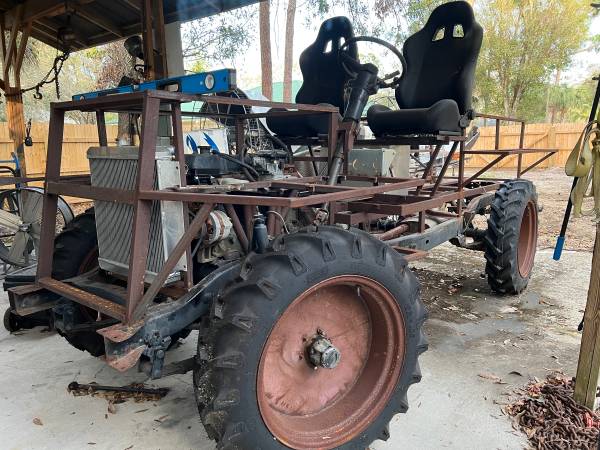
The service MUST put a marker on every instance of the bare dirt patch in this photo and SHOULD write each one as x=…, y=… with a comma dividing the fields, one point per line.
x=553, y=188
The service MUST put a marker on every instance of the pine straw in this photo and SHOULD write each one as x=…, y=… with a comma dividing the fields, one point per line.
x=546, y=412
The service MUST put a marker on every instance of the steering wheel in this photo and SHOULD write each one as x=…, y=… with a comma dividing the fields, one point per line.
x=351, y=65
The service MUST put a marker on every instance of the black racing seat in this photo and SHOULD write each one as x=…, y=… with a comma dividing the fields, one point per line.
x=434, y=95
x=324, y=80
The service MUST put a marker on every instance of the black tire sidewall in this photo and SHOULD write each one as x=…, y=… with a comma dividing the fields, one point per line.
x=502, y=254
x=393, y=275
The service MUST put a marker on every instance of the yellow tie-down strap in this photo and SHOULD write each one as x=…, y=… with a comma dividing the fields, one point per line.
x=584, y=164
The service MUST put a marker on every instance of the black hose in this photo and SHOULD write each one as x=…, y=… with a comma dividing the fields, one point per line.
x=250, y=171
x=282, y=144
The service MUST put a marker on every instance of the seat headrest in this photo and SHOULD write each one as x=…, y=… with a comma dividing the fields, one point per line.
x=451, y=13
x=323, y=75
x=333, y=30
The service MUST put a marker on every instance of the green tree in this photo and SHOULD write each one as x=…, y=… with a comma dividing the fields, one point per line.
x=79, y=74
x=524, y=42
x=288, y=61
x=220, y=37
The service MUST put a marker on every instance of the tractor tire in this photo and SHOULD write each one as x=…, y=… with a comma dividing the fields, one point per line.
x=76, y=252
x=265, y=375
x=511, y=239
x=11, y=321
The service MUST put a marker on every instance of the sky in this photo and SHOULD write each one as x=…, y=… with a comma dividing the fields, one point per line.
x=305, y=31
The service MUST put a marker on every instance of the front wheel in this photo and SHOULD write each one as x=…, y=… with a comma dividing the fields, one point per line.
x=314, y=346
x=511, y=239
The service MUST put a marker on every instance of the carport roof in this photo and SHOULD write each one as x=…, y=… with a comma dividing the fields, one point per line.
x=96, y=22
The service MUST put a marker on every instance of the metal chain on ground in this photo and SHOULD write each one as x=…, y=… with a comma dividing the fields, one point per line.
x=550, y=417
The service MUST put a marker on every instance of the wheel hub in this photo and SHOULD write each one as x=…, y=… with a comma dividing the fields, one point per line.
x=307, y=408
x=322, y=353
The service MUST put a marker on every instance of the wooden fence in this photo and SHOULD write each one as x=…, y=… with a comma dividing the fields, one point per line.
x=562, y=136
x=78, y=138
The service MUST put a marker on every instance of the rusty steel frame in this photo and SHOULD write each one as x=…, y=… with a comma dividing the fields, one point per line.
x=349, y=204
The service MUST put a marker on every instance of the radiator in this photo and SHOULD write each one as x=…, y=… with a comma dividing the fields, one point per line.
x=116, y=167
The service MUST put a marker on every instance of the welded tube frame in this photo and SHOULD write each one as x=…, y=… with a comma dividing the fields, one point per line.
x=149, y=103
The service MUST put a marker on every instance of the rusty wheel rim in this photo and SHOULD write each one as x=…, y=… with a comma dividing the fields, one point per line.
x=324, y=408
x=527, y=240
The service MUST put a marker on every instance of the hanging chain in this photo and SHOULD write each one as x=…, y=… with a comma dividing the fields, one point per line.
x=51, y=77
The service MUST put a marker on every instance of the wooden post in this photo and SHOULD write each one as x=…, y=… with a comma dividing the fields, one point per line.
x=588, y=368
x=554, y=159
x=153, y=36
x=12, y=58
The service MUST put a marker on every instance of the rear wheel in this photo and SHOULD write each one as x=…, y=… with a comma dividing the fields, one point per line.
x=11, y=321
x=511, y=239
x=315, y=345
x=76, y=252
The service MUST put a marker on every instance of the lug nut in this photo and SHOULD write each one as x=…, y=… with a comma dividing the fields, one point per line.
x=322, y=353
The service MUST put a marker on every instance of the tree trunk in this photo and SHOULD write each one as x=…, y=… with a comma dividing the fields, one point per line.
x=266, y=66
x=124, y=123
x=553, y=108
x=289, y=51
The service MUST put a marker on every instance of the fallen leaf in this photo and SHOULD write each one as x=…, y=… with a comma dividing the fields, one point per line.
x=490, y=376
x=160, y=419
x=37, y=421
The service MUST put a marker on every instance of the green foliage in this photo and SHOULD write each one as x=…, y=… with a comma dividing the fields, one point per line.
x=571, y=103
x=524, y=41
x=356, y=10
x=408, y=16
x=78, y=75
x=220, y=37
x=198, y=66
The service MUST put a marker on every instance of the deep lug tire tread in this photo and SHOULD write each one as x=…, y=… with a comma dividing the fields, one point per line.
x=229, y=352
x=502, y=237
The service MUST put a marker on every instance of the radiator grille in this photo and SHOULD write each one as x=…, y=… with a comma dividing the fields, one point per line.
x=116, y=167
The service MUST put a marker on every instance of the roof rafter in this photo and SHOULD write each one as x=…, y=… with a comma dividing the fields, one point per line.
x=99, y=20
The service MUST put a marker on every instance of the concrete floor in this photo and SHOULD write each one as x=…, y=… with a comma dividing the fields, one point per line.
x=472, y=332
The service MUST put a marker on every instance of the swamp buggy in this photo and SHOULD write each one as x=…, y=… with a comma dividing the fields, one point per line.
x=309, y=320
